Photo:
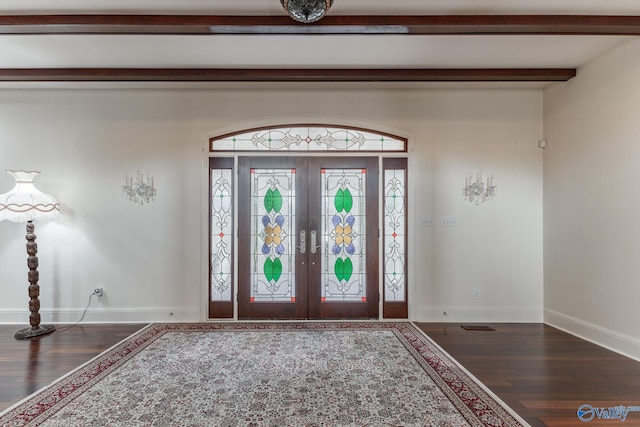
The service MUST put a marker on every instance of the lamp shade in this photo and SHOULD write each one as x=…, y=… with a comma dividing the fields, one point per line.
x=25, y=202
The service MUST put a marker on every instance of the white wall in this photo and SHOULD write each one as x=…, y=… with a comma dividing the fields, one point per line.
x=149, y=259
x=591, y=203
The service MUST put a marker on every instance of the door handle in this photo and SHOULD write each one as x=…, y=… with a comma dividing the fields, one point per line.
x=303, y=242
x=314, y=247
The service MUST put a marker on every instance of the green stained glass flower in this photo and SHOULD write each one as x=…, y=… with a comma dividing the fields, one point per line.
x=272, y=269
x=273, y=200
x=343, y=269
x=343, y=200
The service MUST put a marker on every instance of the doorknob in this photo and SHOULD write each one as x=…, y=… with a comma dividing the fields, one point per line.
x=314, y=248
x=303, y=242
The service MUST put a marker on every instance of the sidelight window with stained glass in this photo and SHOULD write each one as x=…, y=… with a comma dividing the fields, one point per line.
x=272, y=233
x=306, y=138
x=394, y=235
x=344, y=257
x=221, y=234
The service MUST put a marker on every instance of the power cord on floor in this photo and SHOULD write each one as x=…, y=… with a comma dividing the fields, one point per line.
x=82, y=317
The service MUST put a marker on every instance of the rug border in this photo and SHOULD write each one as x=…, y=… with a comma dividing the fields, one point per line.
x=436, y=359
x=74, y=370
x=486, y=389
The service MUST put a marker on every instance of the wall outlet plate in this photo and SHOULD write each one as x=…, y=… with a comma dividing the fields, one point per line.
x=449, y=221
x=426, y=221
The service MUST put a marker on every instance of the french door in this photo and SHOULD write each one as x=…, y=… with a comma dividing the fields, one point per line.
x=308, y=237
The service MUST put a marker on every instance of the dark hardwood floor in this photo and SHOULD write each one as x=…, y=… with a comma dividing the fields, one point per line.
x=542, y=373
x=28, y=365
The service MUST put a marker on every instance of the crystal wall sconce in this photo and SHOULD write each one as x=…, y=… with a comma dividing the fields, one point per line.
x=477, y=191
x=139, y=190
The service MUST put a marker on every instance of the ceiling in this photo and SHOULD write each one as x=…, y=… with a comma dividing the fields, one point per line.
x=519, y=43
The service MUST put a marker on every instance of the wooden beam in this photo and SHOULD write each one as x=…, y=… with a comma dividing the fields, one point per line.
x=283, y=75
x=356, y=25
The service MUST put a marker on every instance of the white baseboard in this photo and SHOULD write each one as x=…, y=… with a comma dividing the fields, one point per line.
x=478, y=314
x=614, y=341
x=102, y=315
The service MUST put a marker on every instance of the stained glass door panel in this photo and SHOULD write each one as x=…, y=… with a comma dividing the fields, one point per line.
x=307, y=238
x=273, y=215
x=271, y=272
x=344, y=196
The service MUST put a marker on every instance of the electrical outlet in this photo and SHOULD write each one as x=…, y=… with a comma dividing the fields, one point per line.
x=98, y=292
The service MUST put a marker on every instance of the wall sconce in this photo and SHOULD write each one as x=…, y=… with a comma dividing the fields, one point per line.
x=477, y=191
x=139, y=190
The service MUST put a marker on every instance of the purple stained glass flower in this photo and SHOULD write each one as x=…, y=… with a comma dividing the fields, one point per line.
x=351, y=249
x=280, y=249
x=266, y=249
x=280, y=220
x=266, y=220
x=336, y=249
x=350, y=220
x=336, y=220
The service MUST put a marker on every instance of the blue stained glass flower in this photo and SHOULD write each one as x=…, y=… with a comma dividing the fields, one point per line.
x=350, y=220
x=280, y=249
x=336, y=249
x=336, y=220
x=265, y=220
x=266, y=249
x=280, y=220
x=351, y=249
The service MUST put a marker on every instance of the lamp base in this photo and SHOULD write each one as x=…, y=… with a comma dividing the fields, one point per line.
x=27, y=333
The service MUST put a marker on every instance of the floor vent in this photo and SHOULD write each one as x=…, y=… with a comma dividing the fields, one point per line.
x=476, y=328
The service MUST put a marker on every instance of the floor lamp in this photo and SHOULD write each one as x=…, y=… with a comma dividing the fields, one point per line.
x=25, y=203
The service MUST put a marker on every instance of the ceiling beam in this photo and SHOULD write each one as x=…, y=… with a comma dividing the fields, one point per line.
x=283, y=75
x=332, y=24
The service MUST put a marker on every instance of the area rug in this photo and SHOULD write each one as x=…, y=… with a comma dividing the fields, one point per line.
x=267, y=375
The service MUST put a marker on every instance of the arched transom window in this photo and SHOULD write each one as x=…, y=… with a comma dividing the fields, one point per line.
x=309, y=138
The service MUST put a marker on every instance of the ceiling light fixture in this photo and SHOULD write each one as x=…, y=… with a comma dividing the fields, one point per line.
x=306, y=11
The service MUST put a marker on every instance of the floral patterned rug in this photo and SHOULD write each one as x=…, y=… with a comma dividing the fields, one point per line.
x=267, y=375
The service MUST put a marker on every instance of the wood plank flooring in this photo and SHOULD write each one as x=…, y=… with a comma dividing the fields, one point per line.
x=542, y=373
x=28, y=365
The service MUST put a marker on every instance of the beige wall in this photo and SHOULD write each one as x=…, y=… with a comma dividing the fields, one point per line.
x=151, y=259
x=591, y=203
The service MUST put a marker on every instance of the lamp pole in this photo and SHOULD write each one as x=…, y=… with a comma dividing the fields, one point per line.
x=36, y=328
